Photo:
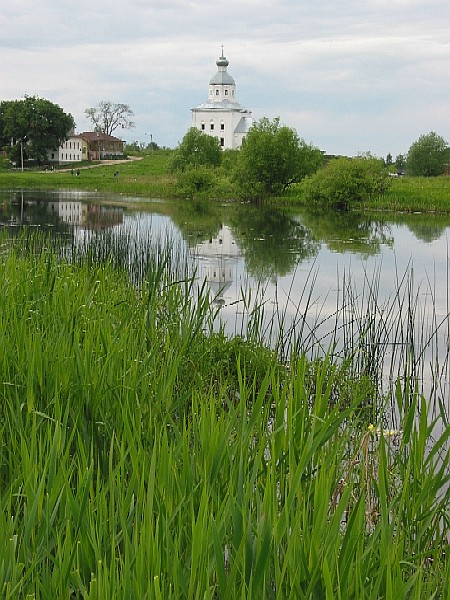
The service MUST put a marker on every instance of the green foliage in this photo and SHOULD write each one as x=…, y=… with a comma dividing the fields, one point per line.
x=428, y=156
x=196, y=182
x=400, y=163
x=196, y=149
x=272, y=158
x=34, y=126
x=346, y=181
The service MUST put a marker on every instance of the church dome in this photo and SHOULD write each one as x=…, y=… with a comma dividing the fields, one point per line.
x=222, y=77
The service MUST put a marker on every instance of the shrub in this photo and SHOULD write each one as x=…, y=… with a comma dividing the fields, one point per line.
x=346, y=181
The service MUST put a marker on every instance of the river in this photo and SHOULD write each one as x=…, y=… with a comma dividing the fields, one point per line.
x=317, y=276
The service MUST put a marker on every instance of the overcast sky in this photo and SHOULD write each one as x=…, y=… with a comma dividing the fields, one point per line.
x=350, y=76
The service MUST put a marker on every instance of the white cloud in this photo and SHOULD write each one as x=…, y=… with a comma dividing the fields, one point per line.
x=371, y=75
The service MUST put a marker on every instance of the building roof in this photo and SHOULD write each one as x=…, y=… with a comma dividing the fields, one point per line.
x=244, y=125
x=94, y=136
x=223, y=105
x=222, y=77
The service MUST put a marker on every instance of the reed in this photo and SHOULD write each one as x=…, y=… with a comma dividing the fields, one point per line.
x=145, y=455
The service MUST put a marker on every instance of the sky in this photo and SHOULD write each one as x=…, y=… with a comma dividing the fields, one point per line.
x=350, y=76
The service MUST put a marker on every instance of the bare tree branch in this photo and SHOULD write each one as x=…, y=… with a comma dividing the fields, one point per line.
x=108, y=116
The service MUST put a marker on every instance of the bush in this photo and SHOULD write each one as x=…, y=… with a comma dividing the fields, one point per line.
x=195, y=182
x=428, y=156
x=346, y=181
x=272, y=158
x=195, y=150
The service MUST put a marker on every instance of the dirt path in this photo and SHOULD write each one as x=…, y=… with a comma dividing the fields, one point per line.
x=101, y=163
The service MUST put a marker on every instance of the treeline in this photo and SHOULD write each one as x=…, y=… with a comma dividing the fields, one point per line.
x=274, y=161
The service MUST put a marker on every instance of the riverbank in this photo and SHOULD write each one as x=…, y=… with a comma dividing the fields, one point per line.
x=150, y=178
x=151, y=457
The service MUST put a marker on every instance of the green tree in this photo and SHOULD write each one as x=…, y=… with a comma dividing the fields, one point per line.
x=272, y=158
x=400, y=163
x=29, y=128
x=345, y=181
x=108, y=116
x=427, y=156
x=196, y=149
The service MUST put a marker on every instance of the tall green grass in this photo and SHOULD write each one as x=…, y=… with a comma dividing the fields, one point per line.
x=145, y=456
x=415, y=194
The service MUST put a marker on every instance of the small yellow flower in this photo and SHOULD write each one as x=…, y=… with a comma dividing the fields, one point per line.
x=371, y=427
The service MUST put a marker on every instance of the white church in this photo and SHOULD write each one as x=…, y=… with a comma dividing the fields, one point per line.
x=221, y=115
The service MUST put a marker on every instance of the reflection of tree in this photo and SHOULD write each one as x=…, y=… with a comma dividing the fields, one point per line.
x=271, y=241
x=349, y=231
x=21, y=211
x=198, y=220
x=427, y=228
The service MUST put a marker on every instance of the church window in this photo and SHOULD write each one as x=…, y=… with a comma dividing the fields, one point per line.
x=222, y=142
x=211, y=126
x=203, y=127
x=226, y=92
x=217, y=92
x=222, y=127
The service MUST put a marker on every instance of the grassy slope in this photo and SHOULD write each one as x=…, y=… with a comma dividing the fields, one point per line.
x=147, y=177
x=150, y=178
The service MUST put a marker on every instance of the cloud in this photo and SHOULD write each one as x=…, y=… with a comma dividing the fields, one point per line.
x=374, y=70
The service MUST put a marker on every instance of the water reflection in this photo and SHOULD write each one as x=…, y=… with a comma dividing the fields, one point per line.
x=218, y=262
x=349, y=232
x=305, y=261
x=58, y=211
x=272, y=242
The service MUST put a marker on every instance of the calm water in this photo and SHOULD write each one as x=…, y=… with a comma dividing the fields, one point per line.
x=304, y=267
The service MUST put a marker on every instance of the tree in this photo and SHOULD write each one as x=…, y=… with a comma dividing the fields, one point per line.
x=428, y=156
x=195, y=150
x=29, y=128
x=400, y=162
x=107, y=116
x=346, y=181
x=272, y=158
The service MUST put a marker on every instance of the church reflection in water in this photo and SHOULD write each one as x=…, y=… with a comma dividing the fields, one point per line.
x=217, y=262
